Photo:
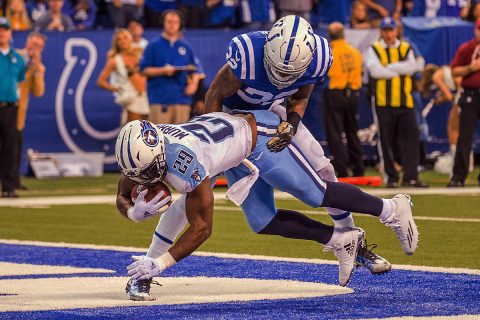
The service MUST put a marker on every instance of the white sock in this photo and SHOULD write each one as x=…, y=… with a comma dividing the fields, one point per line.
x=388, y=209
x=347, y=221
x=334, y=238
x=169, y=227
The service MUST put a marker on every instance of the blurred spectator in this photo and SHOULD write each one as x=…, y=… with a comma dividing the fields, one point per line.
x=391, y=64
x=438, y=82
x=221, y=13
x=379, y=9
x=173, y=72
x=257, y=14
x=300, y=8
x=438, y=8
x=154, y=12
x=359, y=17
x=35, y=84
x=466, y=64
x=17, y=14
x=136, y=30
x=36, y=8
x=473, y=12
x=83, y=13
x=121, y=11
x=325, y=12
x=342, y=104
x=193, y=12
x=13, y=72
x=54, y=19
x=129, y=87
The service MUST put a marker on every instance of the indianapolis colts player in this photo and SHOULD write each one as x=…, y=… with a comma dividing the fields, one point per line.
x=187, y=156
x=262, y=70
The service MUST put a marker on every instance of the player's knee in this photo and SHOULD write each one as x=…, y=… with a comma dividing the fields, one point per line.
x=328, y=173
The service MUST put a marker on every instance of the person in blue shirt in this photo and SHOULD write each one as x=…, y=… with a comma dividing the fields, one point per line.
x=172, y=72
x=13, y=72
x=267, y=70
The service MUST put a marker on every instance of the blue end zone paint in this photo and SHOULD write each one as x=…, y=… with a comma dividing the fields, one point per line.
x=399, y=293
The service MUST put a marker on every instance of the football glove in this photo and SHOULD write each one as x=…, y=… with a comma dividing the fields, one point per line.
x=285, y=133
x=143, y=209
x=145, y=267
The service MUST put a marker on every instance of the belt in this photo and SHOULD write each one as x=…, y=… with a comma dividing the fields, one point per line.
x=4, y=104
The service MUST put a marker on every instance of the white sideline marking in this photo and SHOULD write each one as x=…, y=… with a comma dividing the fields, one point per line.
x=324, y=213
x=94, y=292
x=110, y=199
x=44, y=202
x=232, y=256
x=19, y=269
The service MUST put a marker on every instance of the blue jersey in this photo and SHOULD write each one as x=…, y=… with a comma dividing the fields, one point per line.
x=245, y=58
x=169, y=90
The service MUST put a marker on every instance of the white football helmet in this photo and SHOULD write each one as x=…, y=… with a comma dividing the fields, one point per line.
x=288, y=50
x=140, y=152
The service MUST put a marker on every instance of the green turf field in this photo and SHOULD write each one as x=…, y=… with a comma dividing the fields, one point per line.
x=442, y=243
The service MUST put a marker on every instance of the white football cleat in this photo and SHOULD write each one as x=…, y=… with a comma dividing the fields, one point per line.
x=346, y=249
x=139, y=290
x=401, y=221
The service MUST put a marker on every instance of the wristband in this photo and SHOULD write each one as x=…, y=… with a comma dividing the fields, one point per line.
x=166, y=260
x=294, y=119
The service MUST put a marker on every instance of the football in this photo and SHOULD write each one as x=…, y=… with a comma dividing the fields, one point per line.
x=152, y=191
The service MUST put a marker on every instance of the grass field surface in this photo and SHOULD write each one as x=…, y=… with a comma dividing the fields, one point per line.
x=442, y=243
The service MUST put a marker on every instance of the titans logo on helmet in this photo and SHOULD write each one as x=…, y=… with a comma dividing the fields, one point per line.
x=149, y=134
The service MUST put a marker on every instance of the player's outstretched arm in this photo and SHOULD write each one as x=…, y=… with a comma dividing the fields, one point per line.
x=199, y=210
x=124, y=198
x=224, y=85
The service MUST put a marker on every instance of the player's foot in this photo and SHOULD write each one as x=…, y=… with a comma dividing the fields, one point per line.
x=139, y=290
x=401, y=221
x=371, y=261
x=345, y=249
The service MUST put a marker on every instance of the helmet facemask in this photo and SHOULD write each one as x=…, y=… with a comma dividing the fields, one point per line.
x=152, y=173
x=277, y=77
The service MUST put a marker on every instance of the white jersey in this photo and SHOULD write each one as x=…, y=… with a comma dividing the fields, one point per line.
x=205, y=146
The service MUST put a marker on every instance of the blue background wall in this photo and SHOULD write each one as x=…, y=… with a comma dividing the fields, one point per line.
x=76, y=115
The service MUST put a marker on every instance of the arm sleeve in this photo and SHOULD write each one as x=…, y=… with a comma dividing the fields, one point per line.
x=376, y=69
x=147, y=57
x=21, y=74
x=408, y=66
x=187, y=167
x=236, y=58
x=459, y=59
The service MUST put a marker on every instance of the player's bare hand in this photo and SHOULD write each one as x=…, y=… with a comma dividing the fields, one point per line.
x=144, y=209
x=143, y=268
x=282, y=139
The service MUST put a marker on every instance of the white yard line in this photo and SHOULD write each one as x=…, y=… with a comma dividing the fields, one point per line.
x=40, y=202
x=231, y=256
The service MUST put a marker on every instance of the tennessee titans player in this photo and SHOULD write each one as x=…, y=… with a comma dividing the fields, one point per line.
x=265, y=70
x=188, y=156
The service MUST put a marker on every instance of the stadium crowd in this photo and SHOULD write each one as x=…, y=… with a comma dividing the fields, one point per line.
x=67, y=15
x=143, y=76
